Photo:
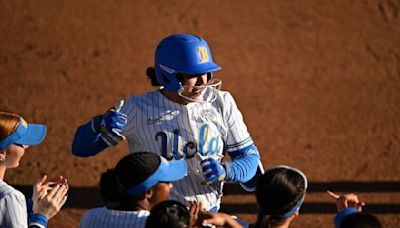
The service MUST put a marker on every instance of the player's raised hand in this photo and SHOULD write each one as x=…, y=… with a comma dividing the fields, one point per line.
x=347, y=200
x=212, y=169
x=111, y=123
x=114, y=120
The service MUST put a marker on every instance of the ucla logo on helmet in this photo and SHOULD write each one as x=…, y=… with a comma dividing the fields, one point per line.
x=203, y=54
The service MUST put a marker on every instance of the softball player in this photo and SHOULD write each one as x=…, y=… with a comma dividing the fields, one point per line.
x=280, y=193
x=129, y=198
x=186, y=118
x=16, y=135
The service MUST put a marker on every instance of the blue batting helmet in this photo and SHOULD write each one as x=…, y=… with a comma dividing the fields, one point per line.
x=182, y=53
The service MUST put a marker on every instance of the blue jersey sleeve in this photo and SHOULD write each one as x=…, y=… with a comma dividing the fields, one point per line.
x=87, y=142
x=244, y=164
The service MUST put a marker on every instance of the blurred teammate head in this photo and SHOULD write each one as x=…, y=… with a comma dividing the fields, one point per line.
x=169, y=214
x=140, y=180
x=360, y=220
x=280, y=193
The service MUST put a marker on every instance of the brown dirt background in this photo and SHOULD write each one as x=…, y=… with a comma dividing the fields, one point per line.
x=317, y=81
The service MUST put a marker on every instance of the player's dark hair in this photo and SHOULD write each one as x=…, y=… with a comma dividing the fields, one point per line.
x=169, y=214
x=151, y=74
x=278, y=191
x=360, y=220
x=129, y=171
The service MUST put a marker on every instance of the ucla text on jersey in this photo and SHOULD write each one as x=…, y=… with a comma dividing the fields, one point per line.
x=206, y=147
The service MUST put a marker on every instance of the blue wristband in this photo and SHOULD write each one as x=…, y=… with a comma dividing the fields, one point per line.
x=38, y=219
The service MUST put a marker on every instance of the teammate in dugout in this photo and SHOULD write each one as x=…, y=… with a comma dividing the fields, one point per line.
x=16, y=135
x=188, y=117
x=129, y=198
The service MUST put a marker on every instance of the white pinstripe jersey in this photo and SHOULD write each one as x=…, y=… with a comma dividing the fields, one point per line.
x=13, y=212
x=176, y=131
x=102, y=217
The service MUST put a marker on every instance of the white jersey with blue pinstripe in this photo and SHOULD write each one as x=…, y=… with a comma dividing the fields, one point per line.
x=176, y=131
x=13, y=212
x=102, y=217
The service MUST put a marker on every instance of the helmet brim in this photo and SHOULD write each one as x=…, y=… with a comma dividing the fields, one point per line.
x=200, y=69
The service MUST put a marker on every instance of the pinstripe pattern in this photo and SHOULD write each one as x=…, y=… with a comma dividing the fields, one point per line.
x=176, y=131
x=13, y=212
x=102, y=217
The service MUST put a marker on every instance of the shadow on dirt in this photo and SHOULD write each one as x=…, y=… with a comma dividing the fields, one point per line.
x=89, y=197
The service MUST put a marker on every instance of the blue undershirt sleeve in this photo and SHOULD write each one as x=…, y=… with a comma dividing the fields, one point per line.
x=87, y=142
x=243, y=165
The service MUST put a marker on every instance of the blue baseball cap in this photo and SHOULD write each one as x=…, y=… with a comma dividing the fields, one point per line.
x=25, y=134
x=167, y=171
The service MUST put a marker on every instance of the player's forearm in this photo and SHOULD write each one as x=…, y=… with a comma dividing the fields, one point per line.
x=242, y=169
x=86, y=142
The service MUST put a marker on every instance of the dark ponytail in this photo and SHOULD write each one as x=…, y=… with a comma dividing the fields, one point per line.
x=111, y=188
x=151, y=74
x=361, y=219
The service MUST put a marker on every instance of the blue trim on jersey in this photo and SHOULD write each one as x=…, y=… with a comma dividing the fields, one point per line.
x=214, y=209
x=86, y=142
x=343, y=214
x=251, y=149
x=246, y=140
x=244, y=165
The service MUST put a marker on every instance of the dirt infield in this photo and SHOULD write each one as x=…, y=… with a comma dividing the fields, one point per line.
x=318, y=84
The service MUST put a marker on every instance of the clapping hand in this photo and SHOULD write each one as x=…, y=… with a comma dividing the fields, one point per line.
x=48, y=198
